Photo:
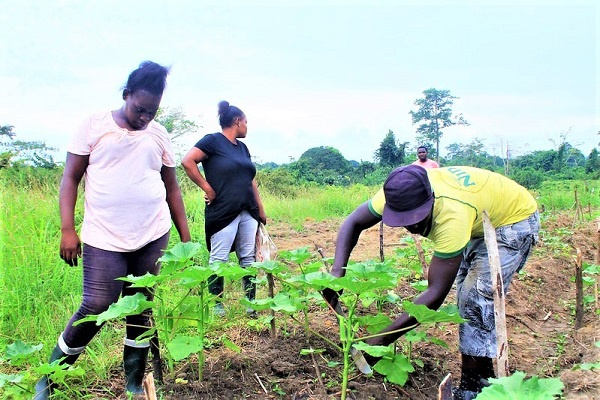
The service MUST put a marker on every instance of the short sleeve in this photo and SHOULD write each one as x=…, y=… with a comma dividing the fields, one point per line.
x=80, y=142
x=376, y=203
x=207, y=144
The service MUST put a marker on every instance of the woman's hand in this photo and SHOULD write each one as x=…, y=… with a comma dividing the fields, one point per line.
x=209, y=195
x=262, y=216
x=70, y=247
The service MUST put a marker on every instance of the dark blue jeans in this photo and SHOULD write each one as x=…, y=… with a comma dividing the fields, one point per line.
x=101, y=268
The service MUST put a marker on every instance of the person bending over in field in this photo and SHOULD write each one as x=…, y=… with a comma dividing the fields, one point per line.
x=233, y=204
x=131, y=196
x=445, y=205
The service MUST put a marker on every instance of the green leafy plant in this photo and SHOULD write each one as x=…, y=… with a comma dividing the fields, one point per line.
x=517, y=387
x=21, y=385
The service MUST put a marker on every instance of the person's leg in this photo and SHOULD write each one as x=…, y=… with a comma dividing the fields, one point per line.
x=135, y=354
x=477, y=342
x=100, y=290
x=101, y=268
x=245, y=247
x=220, y=247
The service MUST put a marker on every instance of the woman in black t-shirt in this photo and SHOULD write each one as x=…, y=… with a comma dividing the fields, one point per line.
x=233, y=204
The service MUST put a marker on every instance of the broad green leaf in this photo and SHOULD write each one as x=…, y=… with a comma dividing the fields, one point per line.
x=193, y=276
x=297, y=256
x=182, y=346
x=57, y=372
x=439, y=342
x=375, y=323
x=148, y=280
x=375, y=351
x=420, y=286
x=516, y=387
x=392, y=297
x=258, y=304
x=128, y=305
x=272, y=266
x=588, y=366
x=231, y=346
x=426, y=315
x=19, y=352
x=396, y=370
x=285, y=303
x=181, y=252
x=235, y=272
x=13, y=378
x=415, y=335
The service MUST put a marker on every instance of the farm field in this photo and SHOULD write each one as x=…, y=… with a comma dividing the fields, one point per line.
x=540, y=316
x=39, y=293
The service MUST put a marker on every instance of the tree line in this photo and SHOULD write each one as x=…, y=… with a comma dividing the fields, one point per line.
x=325, y=165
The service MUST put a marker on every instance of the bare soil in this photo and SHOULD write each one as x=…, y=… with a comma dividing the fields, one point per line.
x=540, y=320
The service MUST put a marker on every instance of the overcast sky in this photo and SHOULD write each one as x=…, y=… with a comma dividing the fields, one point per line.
x=313, y=73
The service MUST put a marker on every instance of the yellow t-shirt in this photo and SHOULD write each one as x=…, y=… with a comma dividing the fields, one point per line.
x=461, y=194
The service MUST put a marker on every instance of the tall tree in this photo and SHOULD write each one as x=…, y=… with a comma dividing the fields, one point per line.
x=434, y=114
x=390, y=152
x=592, y=164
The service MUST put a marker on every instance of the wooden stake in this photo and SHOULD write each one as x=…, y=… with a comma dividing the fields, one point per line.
x=271, y=284
x=578, y=289
x=421, y=255
x=491, y=243
x=149, y=388
x=381, y=256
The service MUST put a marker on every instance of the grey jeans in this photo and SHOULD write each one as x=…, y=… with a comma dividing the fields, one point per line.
x=477, y=336
x=239, y=234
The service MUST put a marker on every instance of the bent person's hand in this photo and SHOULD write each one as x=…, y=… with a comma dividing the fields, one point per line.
x=331, y=297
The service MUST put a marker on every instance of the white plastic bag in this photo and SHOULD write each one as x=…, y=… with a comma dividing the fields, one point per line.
x=265, y=248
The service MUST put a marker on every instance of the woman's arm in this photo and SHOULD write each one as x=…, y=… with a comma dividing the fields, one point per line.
x=190, y=163
x=261, y=210
x=70, y=245
x=175, y=202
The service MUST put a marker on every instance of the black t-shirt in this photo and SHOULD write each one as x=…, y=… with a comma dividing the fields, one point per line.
x=229, y=171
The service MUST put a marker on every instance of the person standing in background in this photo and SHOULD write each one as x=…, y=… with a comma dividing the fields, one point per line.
x=423, y=161
x=131, y=196
x=233, y=204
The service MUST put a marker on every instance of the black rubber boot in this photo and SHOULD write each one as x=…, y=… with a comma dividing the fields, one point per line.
x=250, y=292
x=215, y=285
x=44, y=387
x=474, y=376
x=134, y=364
x=249, y=287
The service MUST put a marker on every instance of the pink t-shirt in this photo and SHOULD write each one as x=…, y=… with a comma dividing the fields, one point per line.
x=125, y=197
x=427, y=164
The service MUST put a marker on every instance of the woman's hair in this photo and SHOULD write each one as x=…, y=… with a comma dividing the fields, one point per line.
x=228, y=114
x=150, y=77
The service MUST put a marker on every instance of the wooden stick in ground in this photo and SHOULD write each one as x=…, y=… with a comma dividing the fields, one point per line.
x=421, y=255
x=445, y=388
x=271, y=289
x=149, y=387
x=578, y=290
x=491, y=243
x=597, y=263
x=381, y=256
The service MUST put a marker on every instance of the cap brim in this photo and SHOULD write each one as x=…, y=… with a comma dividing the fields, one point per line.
x=405, y=218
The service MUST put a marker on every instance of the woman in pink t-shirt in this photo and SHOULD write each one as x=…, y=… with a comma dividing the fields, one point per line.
x=131, y=196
